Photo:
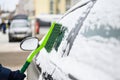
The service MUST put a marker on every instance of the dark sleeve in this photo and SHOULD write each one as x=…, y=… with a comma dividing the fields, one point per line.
x=4, y=73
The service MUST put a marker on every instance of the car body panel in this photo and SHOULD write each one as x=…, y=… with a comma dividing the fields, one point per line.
x=33, y=71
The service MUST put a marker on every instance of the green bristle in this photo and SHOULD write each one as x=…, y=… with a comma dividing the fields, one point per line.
x=59, y=38
x=53, y=37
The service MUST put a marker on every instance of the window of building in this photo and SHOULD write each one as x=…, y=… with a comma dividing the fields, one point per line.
x=51, y=6
x=68, y=4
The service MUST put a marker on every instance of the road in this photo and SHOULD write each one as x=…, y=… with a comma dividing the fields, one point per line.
x=11, y=55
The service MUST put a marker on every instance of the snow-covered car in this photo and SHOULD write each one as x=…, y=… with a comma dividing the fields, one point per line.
x=90, y=48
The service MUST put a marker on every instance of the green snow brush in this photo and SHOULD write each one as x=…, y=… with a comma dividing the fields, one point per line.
x=48, y=43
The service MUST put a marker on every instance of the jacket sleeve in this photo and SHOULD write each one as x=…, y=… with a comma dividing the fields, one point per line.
x=4, y=73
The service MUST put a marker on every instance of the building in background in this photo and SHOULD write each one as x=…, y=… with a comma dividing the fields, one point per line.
x=73, y=2
x=51, y=6
x=25, y=7
x=37, y=7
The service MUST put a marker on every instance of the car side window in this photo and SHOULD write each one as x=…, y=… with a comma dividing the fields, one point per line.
x=73, y=22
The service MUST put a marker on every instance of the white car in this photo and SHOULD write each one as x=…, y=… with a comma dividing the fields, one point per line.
x=19, y=29
x=90, y=48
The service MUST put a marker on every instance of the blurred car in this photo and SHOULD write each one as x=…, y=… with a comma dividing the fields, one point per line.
x=19, y=29
x=90, y=48
x=20, y=16
x=45, y=21
x=41, y=23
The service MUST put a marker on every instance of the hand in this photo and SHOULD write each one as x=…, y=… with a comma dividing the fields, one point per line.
x=16, y=75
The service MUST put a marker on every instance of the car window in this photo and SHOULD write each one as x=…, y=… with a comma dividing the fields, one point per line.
x=72, y=18
x=20, y=24
x=44, y=23
x=73, y=22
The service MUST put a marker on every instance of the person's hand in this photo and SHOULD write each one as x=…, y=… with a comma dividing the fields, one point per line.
x=16, y=75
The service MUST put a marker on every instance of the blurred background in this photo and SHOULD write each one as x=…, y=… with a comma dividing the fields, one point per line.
x=38, y=13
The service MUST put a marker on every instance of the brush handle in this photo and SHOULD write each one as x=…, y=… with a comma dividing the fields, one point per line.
x=25, y=66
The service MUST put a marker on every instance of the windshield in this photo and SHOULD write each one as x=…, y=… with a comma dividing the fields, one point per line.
x=19, y=25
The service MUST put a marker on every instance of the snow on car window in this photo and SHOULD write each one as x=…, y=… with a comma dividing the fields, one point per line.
x=98, y=42
x=71, y=20
x=104, y=21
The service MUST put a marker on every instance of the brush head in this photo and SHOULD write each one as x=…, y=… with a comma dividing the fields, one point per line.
x=53, y=36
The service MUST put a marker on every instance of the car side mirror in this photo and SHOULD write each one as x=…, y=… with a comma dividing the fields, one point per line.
x=29, y=43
